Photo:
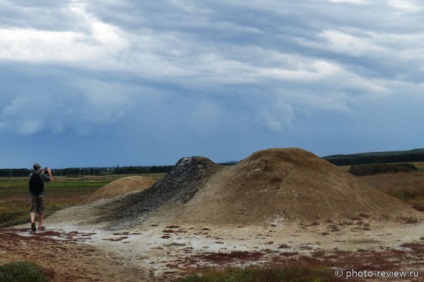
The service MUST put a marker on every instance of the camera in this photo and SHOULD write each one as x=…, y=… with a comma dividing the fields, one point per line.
x=46, y=170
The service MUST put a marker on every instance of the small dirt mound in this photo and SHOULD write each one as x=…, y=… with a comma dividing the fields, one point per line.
x=121, y=187
x=177, y=187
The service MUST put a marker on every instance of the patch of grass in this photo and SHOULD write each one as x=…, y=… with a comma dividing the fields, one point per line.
x=409, y=187
x=22, y=271
x=418, y=204
x=62, y=193
x=15, y=202
x=253, y=274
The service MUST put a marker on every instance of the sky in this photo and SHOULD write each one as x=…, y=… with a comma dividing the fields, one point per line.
x=116, y=82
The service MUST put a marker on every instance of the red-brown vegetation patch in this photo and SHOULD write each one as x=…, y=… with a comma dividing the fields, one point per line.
x=418, y=207
x=172, y=226
x=284, y=246
x=173, y=231
x=116, y=239
x=121, y=233
x=416, y=247
x=406, y=258
x=223, y=258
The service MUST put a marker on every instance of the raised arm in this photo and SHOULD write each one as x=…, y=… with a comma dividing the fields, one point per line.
x=49, y=171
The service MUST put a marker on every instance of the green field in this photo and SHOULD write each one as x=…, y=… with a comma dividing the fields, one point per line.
x=63, y=192
x=419, y=165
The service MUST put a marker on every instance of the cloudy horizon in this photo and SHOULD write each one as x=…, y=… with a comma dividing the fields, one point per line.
x=106, y=83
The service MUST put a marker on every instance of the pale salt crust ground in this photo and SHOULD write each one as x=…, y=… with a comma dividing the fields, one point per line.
x=146, y=246
x=143, y=247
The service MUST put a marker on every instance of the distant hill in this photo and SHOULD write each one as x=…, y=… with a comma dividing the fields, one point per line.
x=416, y=155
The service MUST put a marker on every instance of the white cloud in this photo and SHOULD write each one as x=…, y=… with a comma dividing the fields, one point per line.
x=350, y=1
x=349, y=44
x=406, y=5
x=99, y=42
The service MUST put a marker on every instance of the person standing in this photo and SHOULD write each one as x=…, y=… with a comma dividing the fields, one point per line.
x=37, y=194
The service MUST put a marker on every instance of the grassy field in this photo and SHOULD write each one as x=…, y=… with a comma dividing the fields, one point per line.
x=409, y=187
x=419, y=165
x=63, y=192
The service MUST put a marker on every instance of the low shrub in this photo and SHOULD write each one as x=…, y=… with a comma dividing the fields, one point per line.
x=371, y=169
x=419, y=206
x=22, y=271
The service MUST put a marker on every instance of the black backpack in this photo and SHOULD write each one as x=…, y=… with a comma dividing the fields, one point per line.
x=36, y=185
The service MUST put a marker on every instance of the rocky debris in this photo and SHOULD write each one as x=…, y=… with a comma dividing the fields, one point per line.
x=178, y=186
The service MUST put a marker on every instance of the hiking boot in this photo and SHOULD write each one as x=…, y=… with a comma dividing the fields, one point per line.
x=33, y=226
x=42, y=228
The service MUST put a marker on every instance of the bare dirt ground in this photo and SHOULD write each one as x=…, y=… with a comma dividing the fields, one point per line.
x=158, y=252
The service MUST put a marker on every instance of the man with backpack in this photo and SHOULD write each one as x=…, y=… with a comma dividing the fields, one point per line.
x=36, y=190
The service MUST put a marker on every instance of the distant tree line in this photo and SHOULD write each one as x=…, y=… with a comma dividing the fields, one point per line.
x=76, y=171
x=371, y=169
x=14, y=172
x=372, y=159
x=71, y=172
x=142, y=169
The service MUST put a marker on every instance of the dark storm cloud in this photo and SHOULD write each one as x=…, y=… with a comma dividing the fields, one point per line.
x=276, y=70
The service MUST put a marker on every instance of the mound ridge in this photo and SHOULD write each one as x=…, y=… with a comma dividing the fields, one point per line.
x=120, y=187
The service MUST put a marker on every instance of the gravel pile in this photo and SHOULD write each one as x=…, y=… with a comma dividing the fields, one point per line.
x=178, y=186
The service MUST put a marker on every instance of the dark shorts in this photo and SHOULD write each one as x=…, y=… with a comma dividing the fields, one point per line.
x=37, y=204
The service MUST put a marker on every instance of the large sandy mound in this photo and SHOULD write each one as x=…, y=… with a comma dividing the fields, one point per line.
x=278, y=185
x=270, y=186
x=120, y=187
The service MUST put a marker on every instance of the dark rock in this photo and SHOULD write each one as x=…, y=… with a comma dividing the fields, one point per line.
x=178, y=186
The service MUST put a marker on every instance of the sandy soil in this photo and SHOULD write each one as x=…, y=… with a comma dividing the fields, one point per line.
x=155, y=252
